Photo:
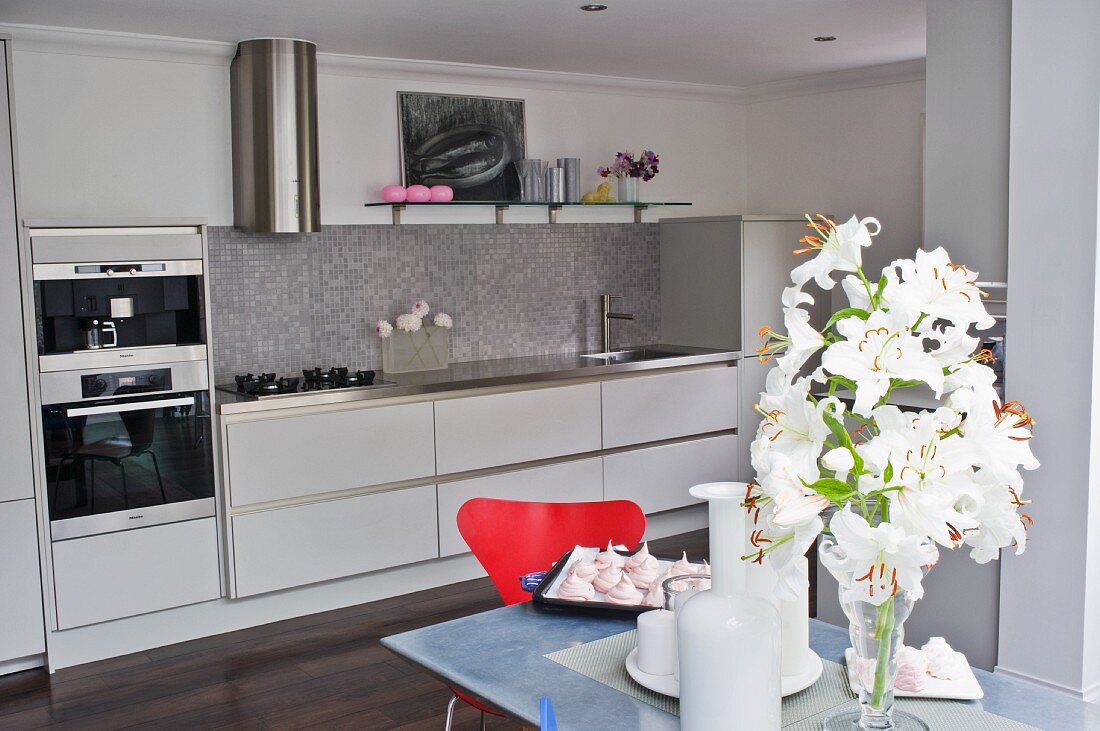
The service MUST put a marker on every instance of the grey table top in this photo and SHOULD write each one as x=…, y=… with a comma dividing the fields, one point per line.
x=479, y=374
x=497, y=656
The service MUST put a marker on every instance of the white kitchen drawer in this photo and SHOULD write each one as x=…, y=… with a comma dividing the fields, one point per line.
x=658, y=478
x=508, y=428
x=136, y=571
x=580, y=481
x=275, y=459
x=21, y=631
x=304, y=544
x=669, y=405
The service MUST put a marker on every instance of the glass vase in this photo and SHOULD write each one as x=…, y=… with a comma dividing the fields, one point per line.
x=423, y=350
x=628, y=190
x=877, y=632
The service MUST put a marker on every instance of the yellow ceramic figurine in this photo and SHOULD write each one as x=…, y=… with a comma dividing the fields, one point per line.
x=602, y=194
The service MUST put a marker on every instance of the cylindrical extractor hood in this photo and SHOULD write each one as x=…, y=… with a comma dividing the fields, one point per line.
x=273, y=85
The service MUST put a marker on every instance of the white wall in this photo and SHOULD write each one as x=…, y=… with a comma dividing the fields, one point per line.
x=966, y=166
x=1050, y=596
x=842, y=152
x=107, y=136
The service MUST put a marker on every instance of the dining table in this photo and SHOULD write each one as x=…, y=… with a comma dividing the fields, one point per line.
x=498, y=657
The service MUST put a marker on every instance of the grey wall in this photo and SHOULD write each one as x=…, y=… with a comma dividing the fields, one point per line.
x=966, y=132
x=283, y=302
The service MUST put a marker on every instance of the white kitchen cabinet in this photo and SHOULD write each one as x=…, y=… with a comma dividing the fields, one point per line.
x=658, y=478
x=21, y=631
x=275, y=459
x=580, y=481
x=669, y=405
x=508, y=428
x=304, y=544
x=132, y=572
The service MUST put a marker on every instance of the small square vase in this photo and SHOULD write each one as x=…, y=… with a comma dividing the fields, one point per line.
x=427, y=349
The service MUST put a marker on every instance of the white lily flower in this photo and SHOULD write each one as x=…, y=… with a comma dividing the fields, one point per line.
x=775, y=473
x=955, y=345
x=792, y=423
x=932, y=472
x=875, y=351
x=971, y=382
x=998, y=436
x=839, y=459
x=878, y=561
x=841, y=250
x=794, y=296
x=804, y=340
x=932, y=285
x=781, y=547
x=994, y=507
x=857, y=290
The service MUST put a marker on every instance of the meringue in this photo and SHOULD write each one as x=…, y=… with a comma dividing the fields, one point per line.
x=655, y=597
x=643, y=576
x=683, y=567
x=642, y=560
x=607, y=578
x=624, y=593
x=609, y=558
x=943, y=662
x=575, y=589
x=912, y=665
x=584, y=570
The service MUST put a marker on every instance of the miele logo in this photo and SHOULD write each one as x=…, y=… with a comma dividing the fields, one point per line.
x=125, y=355
x=136, y=517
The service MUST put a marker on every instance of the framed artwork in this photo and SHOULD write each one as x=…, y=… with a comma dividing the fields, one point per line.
x=466, y=142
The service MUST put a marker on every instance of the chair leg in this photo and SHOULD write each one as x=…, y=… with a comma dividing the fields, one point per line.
x=450, y=713
x=91, y=489
x=125, y=491
x=483, y=721
x=163, y=497
x=57, y=481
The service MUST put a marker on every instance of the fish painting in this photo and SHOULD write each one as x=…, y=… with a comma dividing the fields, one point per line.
x=468, y=143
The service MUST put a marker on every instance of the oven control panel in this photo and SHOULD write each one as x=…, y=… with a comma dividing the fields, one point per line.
x=97, y=385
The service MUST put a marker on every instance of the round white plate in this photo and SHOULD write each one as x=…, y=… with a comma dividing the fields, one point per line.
x=668, y=685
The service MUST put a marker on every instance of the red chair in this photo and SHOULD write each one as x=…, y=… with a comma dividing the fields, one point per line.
x=511, y=538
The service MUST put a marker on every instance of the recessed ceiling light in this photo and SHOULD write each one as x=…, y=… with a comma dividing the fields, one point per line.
x=824, y=39
x=593, y=7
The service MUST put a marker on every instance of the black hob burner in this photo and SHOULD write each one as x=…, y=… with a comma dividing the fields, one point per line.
x=316, y=379
x=265, y=384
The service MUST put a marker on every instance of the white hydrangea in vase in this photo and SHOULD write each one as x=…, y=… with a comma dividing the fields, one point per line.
x=412, y=345
x=900, y=484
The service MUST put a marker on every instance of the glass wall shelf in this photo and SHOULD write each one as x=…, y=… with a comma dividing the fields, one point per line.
x=552, y=208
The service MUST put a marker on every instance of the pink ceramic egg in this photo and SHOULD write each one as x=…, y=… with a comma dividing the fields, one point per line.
x=394, y=194
x=442, y=194
x=418, y=194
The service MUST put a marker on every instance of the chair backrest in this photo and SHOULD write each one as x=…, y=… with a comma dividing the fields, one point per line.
x=512, y=538
x=141, y=428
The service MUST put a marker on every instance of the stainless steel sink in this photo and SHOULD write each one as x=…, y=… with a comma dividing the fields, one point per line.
x=635, y=355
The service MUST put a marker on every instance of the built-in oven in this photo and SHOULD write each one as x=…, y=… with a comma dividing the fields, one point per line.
x=126, y=447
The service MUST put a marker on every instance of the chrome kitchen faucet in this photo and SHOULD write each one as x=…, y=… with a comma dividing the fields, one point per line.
x=608, y=316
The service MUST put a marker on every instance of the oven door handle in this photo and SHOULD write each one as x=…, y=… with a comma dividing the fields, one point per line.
x=130, y=406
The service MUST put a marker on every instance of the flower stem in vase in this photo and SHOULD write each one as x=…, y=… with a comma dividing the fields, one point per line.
x=884, y=627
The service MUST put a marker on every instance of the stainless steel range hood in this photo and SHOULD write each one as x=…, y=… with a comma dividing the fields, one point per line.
x=273, y=85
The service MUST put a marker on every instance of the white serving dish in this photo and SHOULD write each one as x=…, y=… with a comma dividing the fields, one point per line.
x=669, y=685
x=965, y=688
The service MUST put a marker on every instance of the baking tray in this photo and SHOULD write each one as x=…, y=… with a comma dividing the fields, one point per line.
x=540, y=597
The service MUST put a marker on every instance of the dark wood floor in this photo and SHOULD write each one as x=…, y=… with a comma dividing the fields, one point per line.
x=322, y=671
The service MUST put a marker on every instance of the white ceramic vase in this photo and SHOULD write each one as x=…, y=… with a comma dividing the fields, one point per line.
x=628, y=190
x=729, y=645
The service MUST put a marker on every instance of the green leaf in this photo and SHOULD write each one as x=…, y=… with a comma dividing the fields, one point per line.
x=846, y=382
x=901, y=383
x=846, y=312
x=832, y=489
x=837, y=428
x=882, y=282
x=888, y=473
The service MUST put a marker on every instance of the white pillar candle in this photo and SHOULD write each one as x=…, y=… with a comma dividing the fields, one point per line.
x=796, y=625
x=657, y=642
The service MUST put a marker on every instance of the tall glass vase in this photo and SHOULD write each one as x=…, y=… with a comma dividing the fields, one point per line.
x=728, y=642
x=628, y=190
x=877, y=632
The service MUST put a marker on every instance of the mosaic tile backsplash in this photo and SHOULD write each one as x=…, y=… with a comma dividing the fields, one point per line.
x=282, y=302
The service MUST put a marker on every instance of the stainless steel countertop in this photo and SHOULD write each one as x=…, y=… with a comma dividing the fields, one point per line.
x=476, y=374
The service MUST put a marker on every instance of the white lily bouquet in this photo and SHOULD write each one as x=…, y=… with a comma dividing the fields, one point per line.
x=901, y=482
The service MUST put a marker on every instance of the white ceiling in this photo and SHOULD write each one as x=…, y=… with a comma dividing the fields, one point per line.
x=727, y=42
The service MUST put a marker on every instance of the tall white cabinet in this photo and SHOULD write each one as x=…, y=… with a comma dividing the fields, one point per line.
x=721, y=281
x=22, y=639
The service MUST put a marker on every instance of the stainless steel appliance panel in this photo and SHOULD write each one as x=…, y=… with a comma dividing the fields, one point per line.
x=58, y=246
x=125, y=358
x=273, y=92
x=62, y=387
x=117, y=267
